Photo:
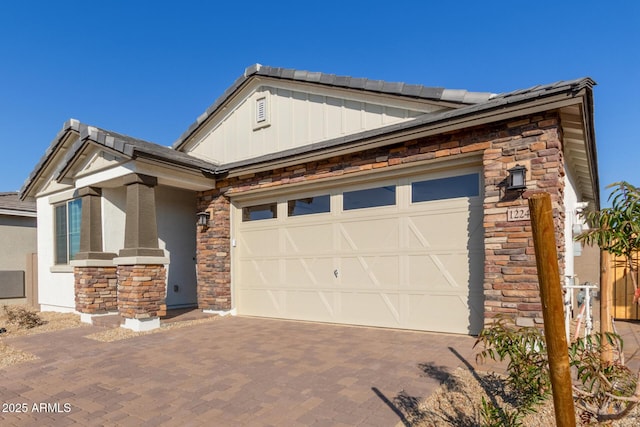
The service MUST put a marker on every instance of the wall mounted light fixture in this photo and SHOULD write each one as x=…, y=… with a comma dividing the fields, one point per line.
x=517, y=179
x=203, y=220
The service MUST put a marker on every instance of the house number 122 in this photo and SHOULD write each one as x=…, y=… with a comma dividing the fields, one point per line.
x=518, y=214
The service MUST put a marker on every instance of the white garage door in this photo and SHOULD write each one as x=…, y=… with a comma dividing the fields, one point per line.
x=406, y=253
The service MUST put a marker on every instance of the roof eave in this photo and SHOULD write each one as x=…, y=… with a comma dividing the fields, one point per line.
x=426, y=125
x=69, y=127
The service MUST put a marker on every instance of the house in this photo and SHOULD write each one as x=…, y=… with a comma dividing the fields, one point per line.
x=17, y=250
x=319, y=197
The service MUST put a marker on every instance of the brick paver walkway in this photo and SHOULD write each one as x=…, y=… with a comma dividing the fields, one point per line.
x=228, y=372
x=234, y=372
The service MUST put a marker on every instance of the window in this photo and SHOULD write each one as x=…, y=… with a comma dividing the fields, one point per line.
x=67, y=230
x=255, y=213
x=309, y=205
x=445, y=188
x=369, y=198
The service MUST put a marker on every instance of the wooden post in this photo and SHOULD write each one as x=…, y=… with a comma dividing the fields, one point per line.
x=552, y=307
x=606, y=300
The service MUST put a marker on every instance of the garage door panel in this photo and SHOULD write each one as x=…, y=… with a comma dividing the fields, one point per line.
x=261, y=302
x=476, y=308
x=476, y=230
x=309, y=239
x=309, y=272
x=258, y=242
x=438, y=272
x=432, y=230
x=260, y=272
x=371, y=308
x=435, y=310
x=369, y=234
x=380, y=272
x=311, y=305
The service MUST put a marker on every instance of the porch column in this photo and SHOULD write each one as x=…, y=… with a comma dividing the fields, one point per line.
x=142, y=277
x=93, y=270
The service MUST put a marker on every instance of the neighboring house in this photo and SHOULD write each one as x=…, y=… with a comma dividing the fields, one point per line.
x=323, y=198
x=17, y=250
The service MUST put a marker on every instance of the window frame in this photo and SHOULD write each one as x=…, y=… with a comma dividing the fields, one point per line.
x=393, y=186
x=72, y=224
x=291, y=214
x=269, y=206
x=478, y=190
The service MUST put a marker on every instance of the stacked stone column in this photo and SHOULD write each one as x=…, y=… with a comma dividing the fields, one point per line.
x=141, y=291
x=141, y=263
x=94, y=273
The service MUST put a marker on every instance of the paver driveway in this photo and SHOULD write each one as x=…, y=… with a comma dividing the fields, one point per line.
x=229, y=372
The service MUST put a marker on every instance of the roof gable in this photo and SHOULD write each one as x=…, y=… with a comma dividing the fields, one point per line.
x=436, y=95
x=74, y=148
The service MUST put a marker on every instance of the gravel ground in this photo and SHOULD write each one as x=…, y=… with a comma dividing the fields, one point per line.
x=52, y=322
x=116, y=334
x=458, y=401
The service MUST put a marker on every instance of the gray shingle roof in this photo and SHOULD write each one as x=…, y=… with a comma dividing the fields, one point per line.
x=10, y=202
x=133, y=147
x=123, y=144
x=461, y=97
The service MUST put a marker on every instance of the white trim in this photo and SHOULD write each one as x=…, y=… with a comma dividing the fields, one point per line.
x=57, y=308
x=141, y=325
x=18, y=213
x=232, y=312
x=88, y=317
x=61, y=268
x=63, y=196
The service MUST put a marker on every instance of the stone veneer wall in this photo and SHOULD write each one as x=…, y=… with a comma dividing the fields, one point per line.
x=213, y=257
x=142, y=291
x=95, y=289
x=510, y=280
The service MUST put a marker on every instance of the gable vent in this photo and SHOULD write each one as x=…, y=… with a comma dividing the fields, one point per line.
x=261, y=117
x=261, y=110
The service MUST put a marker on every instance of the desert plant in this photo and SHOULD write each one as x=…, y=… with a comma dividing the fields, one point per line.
x=605, y=390
x=526, y=351
x=22, y=317
x=495, y=416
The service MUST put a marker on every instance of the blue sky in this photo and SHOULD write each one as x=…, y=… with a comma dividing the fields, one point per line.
x=149, y=68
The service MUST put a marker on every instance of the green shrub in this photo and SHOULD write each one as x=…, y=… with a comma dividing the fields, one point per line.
x=607, y=389
x=526, y=351
x=603, y=391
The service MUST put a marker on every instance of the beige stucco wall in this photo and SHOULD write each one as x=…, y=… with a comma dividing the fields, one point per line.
x=587, y=265
x=17, y=241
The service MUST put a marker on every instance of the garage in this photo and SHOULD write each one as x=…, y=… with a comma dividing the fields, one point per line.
x=400, y=252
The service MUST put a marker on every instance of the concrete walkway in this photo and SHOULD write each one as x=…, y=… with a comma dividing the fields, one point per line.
x=234, y=371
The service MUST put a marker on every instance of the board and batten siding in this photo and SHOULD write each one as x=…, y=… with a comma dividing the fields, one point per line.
x=294, y=119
